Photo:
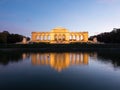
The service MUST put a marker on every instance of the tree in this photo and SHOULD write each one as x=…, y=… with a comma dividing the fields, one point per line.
x=6, y=37
x=108, y=37
x=3, y=37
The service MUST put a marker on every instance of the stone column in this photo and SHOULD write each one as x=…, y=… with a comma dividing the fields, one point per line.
x=85, y=37
x=75, y=37
x=48, y=37
x=67, y=37
x=33, y=37
x=79, y=37
x=37, y=37
x=52, y=38
x=41, y=37
x=72, y=37
x=62, y=36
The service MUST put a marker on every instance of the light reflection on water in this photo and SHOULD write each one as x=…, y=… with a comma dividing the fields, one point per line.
x=59, y=61
x=66, y=70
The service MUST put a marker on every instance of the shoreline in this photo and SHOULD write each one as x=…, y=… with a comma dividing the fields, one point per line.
x=59, y=50
x=60, y=47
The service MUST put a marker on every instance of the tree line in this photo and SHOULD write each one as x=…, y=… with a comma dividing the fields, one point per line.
x=8, y=38
x=108, y=37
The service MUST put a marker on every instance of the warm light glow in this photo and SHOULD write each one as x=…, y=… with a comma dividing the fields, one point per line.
x=59, y=35
x=59, y=61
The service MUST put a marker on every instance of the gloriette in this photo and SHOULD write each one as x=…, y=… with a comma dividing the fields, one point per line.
x=59, y=35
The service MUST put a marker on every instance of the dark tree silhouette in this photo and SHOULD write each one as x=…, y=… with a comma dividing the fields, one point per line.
x=6, y=37
x=108, y=37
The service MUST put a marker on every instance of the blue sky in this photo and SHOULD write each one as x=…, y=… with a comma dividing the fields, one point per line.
x=25, y=16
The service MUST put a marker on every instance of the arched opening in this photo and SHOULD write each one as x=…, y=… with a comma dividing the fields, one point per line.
x=55, y=37
x=63, y=37
x=45, y=37
x=74, y=37
x=81, y=37
x=41, y=37
x=77, y=37
x=37, y=37
x=59, y=37
x=48, y=37
x=70, y=38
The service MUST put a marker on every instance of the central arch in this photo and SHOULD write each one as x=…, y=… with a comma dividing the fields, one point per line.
x=59, y=34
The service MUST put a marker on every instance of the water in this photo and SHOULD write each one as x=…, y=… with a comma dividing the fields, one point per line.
x=60, y=71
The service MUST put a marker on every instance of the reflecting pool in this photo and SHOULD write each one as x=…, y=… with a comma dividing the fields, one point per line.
x=60, y=71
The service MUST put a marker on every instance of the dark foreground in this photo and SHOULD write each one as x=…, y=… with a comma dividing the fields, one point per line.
x=60, y=47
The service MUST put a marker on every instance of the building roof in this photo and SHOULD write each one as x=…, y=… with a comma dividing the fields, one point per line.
x=59, y=29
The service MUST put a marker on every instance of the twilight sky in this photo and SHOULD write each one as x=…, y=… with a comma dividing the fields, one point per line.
x=25, y=16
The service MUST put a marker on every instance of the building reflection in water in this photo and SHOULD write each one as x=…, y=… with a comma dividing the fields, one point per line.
x=59, y=61
x=25, y=56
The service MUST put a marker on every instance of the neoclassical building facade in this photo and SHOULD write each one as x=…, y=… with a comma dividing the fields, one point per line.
x=59, y=35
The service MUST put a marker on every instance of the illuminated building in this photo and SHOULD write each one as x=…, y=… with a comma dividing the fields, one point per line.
x=59, y=35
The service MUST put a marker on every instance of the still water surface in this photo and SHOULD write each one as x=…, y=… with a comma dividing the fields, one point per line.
x=60, y=71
